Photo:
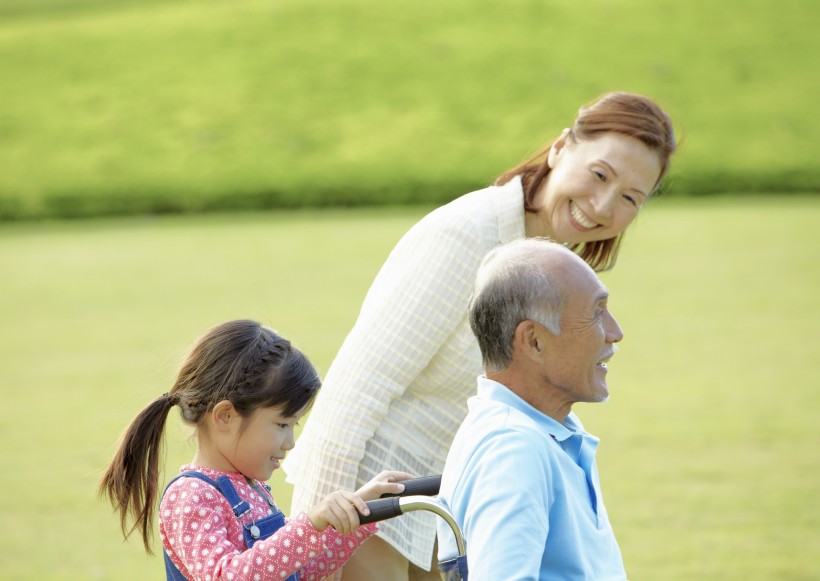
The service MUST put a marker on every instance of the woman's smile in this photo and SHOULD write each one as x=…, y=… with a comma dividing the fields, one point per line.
x=579, y=219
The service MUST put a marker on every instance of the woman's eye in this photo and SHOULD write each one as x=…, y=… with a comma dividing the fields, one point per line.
x=630, y=199
x=600, y=176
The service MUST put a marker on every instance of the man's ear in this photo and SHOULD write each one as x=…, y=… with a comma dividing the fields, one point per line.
x=529, y=340
x=222, y=415
x=557, y=147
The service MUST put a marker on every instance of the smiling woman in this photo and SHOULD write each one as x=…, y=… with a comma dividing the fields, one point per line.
x=596, y=188
x=396, y=392
x=618, y=152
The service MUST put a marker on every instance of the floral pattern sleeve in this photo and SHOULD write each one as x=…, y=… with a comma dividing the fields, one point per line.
x=204, y=540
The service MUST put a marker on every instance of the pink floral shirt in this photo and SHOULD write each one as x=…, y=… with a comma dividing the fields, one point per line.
x=204, y=539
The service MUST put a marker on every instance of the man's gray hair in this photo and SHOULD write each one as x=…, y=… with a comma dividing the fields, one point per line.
x=513, y=285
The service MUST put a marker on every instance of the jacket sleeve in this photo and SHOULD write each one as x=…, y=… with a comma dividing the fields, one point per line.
x=415, y=303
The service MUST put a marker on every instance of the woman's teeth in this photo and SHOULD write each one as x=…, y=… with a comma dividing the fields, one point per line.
x=579, y=217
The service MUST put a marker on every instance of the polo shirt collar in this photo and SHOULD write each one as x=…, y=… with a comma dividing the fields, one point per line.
x=489, y=389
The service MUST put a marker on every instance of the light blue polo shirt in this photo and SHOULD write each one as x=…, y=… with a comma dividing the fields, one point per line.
x=524, y=489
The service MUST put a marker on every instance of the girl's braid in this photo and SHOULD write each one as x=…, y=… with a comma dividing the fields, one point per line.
x=250, y=366
x=265, y=353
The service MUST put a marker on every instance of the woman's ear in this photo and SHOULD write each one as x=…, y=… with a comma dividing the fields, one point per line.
x=557, y=147
x=222, y=415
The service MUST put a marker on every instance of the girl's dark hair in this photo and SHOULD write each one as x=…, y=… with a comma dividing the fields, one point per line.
x=625, y=113
x=239, y=361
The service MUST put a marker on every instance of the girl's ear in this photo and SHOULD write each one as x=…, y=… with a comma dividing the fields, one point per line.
x=222, y=415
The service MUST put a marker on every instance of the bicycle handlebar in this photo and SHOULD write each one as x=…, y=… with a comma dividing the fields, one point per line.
x=423, y=486
x=381, y=509
x=389, y=506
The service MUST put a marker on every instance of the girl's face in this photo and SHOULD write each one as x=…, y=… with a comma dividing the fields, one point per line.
x=258, y=449
x=596, y=187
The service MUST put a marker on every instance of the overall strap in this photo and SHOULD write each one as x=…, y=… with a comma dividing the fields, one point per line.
x=224, y=485
x=238, y=505
x=192, y=474
x=267, y=526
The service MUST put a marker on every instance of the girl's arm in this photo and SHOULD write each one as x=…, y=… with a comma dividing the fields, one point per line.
x=204, y=539
x=337, y=514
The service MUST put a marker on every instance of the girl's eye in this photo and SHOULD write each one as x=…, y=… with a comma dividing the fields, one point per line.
x=630, y=199
x=599, y=175
x=284, y=426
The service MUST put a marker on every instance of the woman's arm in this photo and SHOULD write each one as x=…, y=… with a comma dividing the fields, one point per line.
x=415, y=303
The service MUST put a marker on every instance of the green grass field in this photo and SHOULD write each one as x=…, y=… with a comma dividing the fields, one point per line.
x=171, y=105
x=709, y=445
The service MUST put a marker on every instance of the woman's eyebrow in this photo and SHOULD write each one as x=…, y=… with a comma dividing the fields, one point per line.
x=615, y=173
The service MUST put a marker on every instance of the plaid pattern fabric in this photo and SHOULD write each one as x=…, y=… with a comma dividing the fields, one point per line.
x=397, y=390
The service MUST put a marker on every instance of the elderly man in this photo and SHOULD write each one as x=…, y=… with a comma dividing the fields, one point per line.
x=520, y=477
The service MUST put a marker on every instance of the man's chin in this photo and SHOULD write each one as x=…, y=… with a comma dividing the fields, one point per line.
x=602, y=396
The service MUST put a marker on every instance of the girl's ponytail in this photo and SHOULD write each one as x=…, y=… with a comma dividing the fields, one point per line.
x=131, y=481
x=239, y=361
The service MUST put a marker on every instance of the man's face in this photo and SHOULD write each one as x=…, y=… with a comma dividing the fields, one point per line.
x=575, y=361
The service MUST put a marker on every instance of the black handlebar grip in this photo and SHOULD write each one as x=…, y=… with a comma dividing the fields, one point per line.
x=424, y=486
x=381, y=509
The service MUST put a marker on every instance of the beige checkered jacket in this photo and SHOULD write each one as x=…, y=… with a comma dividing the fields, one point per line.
x=397, y=390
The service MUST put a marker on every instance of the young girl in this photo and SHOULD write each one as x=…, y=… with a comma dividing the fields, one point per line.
x=244, y=388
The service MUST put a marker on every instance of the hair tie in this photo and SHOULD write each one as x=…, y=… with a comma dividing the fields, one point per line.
x=169, y=397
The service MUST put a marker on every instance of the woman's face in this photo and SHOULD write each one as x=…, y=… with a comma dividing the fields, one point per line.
x=595, y=188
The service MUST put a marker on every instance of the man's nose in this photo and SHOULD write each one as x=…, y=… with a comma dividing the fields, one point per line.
x=613, y=331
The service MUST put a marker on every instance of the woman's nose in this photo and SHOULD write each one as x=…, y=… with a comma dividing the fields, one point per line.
x=603, y=202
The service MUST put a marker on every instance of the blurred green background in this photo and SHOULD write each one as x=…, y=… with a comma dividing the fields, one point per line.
x=709, y=447
x=265, y=118
x=116, y=107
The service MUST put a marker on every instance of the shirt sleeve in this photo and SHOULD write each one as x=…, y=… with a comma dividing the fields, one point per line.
x=505, y=499
x=415, y=303
x=203, y=539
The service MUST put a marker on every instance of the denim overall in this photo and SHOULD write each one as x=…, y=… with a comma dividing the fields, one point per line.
x=255, y=531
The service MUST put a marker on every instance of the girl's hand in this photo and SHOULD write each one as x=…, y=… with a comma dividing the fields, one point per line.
x=338, y=509
x=385, y=483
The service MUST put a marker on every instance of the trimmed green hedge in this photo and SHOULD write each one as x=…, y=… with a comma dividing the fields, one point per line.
x=177, y=106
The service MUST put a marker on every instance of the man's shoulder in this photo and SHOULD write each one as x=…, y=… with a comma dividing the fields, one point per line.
x=494, y=443
x=491, y=420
